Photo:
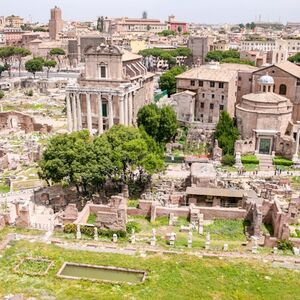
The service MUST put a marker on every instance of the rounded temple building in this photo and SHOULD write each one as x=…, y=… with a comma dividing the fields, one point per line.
x=264, y=119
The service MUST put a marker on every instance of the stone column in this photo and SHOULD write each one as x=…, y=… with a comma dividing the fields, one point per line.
x=79, y=113
x=297, y=145
x=89, y=113
x=121, y=110
x=126, y=110
x=100, y=115
x=130, y=107
x=110, y=111
x=74, y=111
x=69, y=113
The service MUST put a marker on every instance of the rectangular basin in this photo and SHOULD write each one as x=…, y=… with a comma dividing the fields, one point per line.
x=101, y=273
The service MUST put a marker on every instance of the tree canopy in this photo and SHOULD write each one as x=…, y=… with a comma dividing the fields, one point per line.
x=58, y=53
x=49, y=64
x=229, y=56
x=34, y=65
x=168, y=79
x=159, y=123
x=226, y=133
x=295, y=58
x=122, y=154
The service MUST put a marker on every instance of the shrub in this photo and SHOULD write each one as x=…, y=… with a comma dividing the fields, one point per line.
x=228, y=160
x=250, y=160
x=285, y=245
x=133, y=225
x=281, y=161
x=70, y=228
x=29, y=93
x=1, y=94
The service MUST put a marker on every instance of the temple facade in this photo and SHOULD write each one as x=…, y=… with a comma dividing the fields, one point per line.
x=111, y=90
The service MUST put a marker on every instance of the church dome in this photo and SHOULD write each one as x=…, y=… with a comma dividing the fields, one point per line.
x=266, y=80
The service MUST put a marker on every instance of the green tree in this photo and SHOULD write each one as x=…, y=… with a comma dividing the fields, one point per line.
x=226, y=133
x=179, y=29
x=58, y=53
x=237, y=61
x=218, y=55
x=295, y=58
x=49, y=64
x=7, y=56
x=167, y=32
x=168, y=79
x=1, y=94
x=159, y=123
x=2, y=69
x=33, y=66
x=19, y=54
x=167, y=125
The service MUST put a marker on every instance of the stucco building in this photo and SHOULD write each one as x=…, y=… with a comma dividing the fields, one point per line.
x=215, y=88
x=111, y=90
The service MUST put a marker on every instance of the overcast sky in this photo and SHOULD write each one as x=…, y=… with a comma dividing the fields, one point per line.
x=199, y=11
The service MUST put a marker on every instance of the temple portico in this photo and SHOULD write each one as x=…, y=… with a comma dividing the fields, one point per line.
x=98, y=110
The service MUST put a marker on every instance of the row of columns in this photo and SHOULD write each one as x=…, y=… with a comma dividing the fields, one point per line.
x=74, y=112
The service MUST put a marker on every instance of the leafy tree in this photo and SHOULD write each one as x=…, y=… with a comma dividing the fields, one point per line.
x=168, y=125
x=168, y=79
x=295, y=58
x=226, y=133
x=159, y=123
x=2, y=69
x=19, y=54
x=218, y=55
x=49, y=64
x=237, y=61
x=179, y=29
x=167, y=32
x=7, y=56
x=149, y=119
x=58, y=53
x=1, y=94
x=33, y=66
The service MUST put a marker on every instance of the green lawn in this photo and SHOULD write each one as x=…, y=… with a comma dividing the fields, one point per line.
x=169, y=277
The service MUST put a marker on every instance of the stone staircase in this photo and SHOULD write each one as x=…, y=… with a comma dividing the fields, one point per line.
x=265, y=162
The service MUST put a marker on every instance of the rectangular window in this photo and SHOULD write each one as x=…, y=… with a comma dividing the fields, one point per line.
x=212, y=96
x=221, y=85
x=222, y=97
x=203, y=95
x=298, y=82
x=202, y=104
x=104, y=109
x=221, y=107
x=211, y=106
x=212, y=84
x=200, y=83
x=193, y=83
x=103, y=72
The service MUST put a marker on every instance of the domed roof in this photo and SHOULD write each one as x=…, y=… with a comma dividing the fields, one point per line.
x=266, y=80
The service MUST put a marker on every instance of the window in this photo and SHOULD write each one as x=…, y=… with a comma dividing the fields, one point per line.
x=200, y=83
x=211, y=106
x=104, y=109
x=212, y=96
x=221, y=85
x=203, y=95
x=103, y=72
x=221, y=107
x=209, y=119
x=298, y=81
x=202, y=104
x=193, y=83
x=282, y=89
x=212, y=84
x=222, y=97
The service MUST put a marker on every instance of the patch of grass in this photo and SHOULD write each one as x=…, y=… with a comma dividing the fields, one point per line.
x=250, y=167
x=160, y=221
x=4, y=189
x=133, y=203
x=227, y=230
x=169, y=277
x=92, y=219
x=33, y=266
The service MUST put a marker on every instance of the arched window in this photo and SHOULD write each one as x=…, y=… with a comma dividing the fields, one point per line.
x=282, y=89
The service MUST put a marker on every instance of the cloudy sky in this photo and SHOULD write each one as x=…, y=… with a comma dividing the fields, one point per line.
x=200, y=11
